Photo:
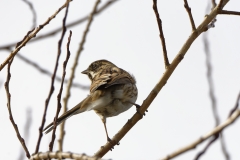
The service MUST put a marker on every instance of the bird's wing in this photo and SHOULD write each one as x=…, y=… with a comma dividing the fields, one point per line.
x=118, y=76
x=118, y=80
x=100, y=81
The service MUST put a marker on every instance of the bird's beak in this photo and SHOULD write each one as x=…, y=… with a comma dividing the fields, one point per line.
x=85, y=72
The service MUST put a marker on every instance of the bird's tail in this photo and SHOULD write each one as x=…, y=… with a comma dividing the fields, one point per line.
x=63, y=117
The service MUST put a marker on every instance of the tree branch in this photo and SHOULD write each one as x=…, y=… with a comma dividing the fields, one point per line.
x=34, y=20
x=229, y=12
x=48, y=73
x=22, y=141
x=188, y=9
x=161, y=35
x=59, y=105
x=62, y=155
x=30, y=35
x=215, y=131
x=146, y=103
x=57, y=30
x=72, y=75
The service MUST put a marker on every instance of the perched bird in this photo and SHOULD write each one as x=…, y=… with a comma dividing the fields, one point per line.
x=113, y=91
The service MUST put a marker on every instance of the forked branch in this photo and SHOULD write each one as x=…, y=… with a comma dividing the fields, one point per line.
x=163, y=80
x=30, y=35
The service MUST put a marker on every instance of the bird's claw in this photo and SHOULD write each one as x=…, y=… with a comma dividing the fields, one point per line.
x=110, y=141
x=138, y=107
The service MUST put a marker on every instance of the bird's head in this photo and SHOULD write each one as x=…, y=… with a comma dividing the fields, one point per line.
x=96, y=67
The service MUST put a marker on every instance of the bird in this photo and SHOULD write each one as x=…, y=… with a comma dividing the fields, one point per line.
x=112, y=91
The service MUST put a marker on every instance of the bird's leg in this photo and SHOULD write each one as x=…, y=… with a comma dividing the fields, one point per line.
x=105, y=127
x=138, y=107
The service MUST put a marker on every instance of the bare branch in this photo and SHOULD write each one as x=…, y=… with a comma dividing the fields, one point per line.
x=50, y=92
x=161, y=35
x=30, y=35
x=213, y=102
x=188, y=9
x=223, y=147
x=210, y=80
x=235, y=107
x=229, y=12
x=62, y=132
x=146, y=103
x=214, y=138
x=220, y=5
x=22, y=141
x=62, y=155
x=57, y=30
x=27, y=127
x=59, y=96
x=215, y=131
x=44, y=71
x=34, y=21
x=214, y=4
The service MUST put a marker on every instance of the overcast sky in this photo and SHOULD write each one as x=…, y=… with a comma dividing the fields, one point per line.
x=126, y=34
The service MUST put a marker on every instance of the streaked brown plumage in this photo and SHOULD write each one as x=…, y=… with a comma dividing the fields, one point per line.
x=113, y=91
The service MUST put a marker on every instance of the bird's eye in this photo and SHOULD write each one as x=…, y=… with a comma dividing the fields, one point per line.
x=94, y=66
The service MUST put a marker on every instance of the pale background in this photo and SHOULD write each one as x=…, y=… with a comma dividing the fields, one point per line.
x=126, y=34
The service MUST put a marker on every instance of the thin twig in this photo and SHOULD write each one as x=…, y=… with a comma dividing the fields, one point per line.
x=30, y=35
x=59, y=96
x=22, y=141
x=27, y=127
x=72, y=75
x=188, y=9
x=213, y=102
x=220, y=5
x=235, y=110
x=235, y=106
x=210, y=80
x=62, y=132
x=49, y=96
x=161, y=35
x=34, y=20
x=214, y=4
x=57, y=30
x=163, y=80
x=62, y=155
x=48, y=73
x=229, y=12
x=223, y=147
x=214, y=138
x=215, y=131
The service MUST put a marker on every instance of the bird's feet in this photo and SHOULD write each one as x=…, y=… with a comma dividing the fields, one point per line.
x=137, y=108
x=112, y=142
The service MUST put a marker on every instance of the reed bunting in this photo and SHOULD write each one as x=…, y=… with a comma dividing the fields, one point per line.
x=113, y=91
